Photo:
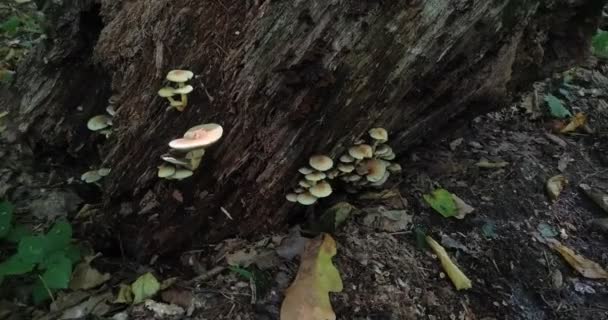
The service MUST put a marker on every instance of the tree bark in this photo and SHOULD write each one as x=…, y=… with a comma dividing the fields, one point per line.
x=286, y=79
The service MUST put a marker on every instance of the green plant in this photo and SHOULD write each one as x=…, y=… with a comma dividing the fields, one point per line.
x=599, y=44
x=46, y=260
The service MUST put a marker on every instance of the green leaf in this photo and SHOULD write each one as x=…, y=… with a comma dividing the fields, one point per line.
x=489, y=230
x=144, y=287
x=599, y=44
x=32, y=249
x=17, y=233
x=6, y=217
x=241, y=272
x=40, y=293
x=15, y=265
x=556, y=107
x=420, y=238
x=10, y=26
x=58, y=271
x=441, y=200
x=58, y=238
x=73, y=252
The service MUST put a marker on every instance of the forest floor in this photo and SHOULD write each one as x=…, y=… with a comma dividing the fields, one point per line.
x=386, y=271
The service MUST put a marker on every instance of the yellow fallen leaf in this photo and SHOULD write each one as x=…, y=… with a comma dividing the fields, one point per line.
x=484, y=163
x=308, y=296
x=459, y=279
x=579, y=120
x=555, y=185
x=587, y=268
x=125, y=295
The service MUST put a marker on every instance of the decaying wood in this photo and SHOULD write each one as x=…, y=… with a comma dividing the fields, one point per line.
x=286, y=79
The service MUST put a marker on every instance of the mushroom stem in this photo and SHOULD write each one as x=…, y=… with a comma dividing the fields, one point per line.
x=184, y=102
x=171, y=100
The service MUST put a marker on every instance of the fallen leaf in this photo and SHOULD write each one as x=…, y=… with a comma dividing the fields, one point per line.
x=562, y=163
x=335, y=216
x=95, y=305
x=144, y=287
x=242, y=258
x=180, y=297
x=163, y=310
x=556, y=107
x=600, y=198
x=555, y=185
x=587, y=268
x=579, y=120
x=292, y=245
x=86, y=277
x=125, y=294
x=308, y=296
x=462, y=208
x=484, y=163
x=442, y=201
x=546, y=230
x=459, y=279
x=387, y=220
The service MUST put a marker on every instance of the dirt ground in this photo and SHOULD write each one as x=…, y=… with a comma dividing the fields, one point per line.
x=387, y=273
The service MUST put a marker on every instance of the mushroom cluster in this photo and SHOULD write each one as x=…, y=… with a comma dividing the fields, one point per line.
x=363, y=165
x=186, y=153
x=94, y=175
x=180, y=77
x=102, y=123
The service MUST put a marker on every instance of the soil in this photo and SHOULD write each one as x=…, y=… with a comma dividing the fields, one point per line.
x=388, y=274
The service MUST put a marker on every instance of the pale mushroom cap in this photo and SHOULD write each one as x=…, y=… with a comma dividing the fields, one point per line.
x=198, y=137
x=110, y=110
x=195, y=154
x=383, y=149
x=346, y=158
x=347, y=168
x=321, y=189
x=306, y=170
x=315, y=176
x=90, y=176
x=376, y=170
x=299, y=190
x=306, y=198
x=389, y=156
x=181, y=174
x=379, y=134
x=381, y=181
x=360, y=151
x=333, y=173
x=292, y=197
x=394, y=167
x=103, y=171
x=353, y=177
x=179, y=75
x=184, y=90
x=321, y=162
x=165, y=171
x=173, y=160
x=166, y=92
x=304, y=184
x=99, y=122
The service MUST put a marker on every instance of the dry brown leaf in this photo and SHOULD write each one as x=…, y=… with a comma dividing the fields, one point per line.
x=587, y=268
x=579, y=120
x=308, y=296
x=555, y=185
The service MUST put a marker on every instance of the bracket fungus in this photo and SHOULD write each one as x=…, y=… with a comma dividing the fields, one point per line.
x=365, y=164
x=186, y=152
x=180, y=77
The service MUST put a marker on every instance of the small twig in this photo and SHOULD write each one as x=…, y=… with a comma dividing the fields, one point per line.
x=226, y=213
x=48, y=290
x=207, y=275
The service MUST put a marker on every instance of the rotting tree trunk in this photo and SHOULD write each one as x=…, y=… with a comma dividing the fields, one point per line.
x=286, y=79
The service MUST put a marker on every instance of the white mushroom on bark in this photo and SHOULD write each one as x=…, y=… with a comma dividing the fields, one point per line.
x=180, y=77
x=321, y=162
x=306, y=199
